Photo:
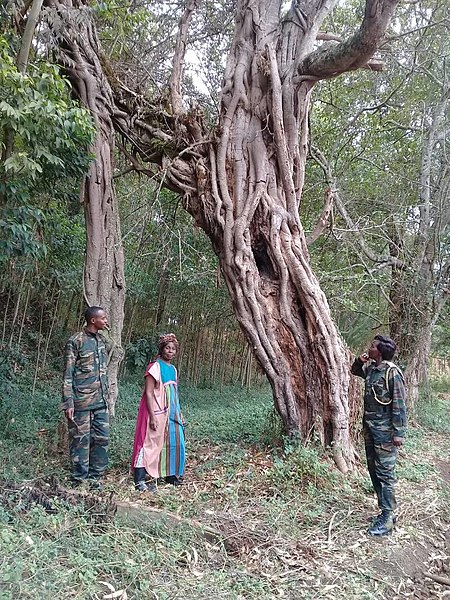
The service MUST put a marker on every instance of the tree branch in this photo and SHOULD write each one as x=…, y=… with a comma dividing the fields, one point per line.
x=374, y=64
x=387, y=260
x=178, y=59
x=332, y=59
x=322, y=222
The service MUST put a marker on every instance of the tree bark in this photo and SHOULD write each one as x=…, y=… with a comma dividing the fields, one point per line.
x=27, y=39
x=104, y=279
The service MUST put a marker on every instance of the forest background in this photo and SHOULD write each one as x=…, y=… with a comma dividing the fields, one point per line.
x=374, y=207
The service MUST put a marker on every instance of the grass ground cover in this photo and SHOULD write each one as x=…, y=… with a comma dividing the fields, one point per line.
x=294, y=526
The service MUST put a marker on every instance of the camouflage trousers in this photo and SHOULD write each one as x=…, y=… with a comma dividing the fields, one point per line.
x=381, y=457
x=88, y=443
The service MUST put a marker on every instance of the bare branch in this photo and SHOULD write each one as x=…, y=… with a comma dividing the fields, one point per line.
x=178, y=59
x=332, y=59
x=386, y=259
x=324, y=36
x=398, y=36
x=136, y=165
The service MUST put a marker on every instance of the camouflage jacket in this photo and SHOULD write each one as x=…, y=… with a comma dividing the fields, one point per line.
x=384, y=395
x=85, y=384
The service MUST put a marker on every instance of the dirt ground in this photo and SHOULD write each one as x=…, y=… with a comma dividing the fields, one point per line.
x=310, y=542
x=328, y=556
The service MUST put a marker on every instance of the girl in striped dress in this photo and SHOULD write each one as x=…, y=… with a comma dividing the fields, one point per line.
x=159, y=446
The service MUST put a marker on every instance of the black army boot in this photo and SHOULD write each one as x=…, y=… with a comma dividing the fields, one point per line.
x=374, y=518
x=173, y=480
x=383, y=525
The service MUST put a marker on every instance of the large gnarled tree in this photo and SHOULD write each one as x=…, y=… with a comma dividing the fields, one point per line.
x=242, y=181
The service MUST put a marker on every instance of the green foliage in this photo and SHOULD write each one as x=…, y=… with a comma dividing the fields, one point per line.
x=226, y=415
x=27, y=423
x=372, y=129
x=415, y=471
x=434, y=407
x=34, y=546
x=51, y=133
x=18, y=226
x=45, y=138
x=138, y=354
x=300, y=465
x=441, y=336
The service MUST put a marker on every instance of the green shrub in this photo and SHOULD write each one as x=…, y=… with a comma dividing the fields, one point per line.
x=300, y=465
x=433, y=409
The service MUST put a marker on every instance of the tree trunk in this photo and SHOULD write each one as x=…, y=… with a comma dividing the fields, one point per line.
x=250, y=211
x=104, y=280
x=416, y=373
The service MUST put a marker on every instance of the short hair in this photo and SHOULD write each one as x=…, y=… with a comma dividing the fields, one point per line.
x=386, y=346
x=91, y=312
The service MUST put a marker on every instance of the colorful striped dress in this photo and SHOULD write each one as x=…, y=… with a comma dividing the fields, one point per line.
x=161, y=452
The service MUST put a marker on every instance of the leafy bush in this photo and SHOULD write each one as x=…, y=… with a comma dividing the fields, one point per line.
x=302, y=465
x=28, y=427
x=138, y=354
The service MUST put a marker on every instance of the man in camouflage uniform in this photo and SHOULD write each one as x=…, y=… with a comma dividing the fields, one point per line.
x=85, y=393
x=384, y=424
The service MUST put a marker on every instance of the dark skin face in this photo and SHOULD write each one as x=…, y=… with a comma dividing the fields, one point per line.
x=374, y=353
x=169, y=352
x=98, y=322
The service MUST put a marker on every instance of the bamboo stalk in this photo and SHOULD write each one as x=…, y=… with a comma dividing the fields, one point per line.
x=24, y=314
x=36, y=369
x=5, y=317
x=16, y=310
x=69, y=311
x=52, y=325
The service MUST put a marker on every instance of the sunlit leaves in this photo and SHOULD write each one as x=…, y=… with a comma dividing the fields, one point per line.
x=50, y=133
x=44, y=139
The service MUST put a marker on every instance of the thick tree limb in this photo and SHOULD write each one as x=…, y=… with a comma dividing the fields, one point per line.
x=374, y=64
x=322, y=221
x=332, y=59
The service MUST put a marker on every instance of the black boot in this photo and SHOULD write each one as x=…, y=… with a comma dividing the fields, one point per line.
x=139, y=481
x=383, y=525
x=173, y=479
x=374, y=518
